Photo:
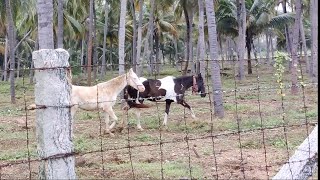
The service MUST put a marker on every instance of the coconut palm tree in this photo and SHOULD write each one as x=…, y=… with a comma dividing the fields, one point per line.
x=259, y=18
x=122, y=30
x=12, y=42
x=60, y=24
x=214, y=64
x=241, y=35
x=314, y=39
x=201, y=44
x=45, y=24
x=295, y=44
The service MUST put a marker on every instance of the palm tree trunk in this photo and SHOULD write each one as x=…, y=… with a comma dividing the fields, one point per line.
x=82, y=54
x=122, y=31
x=304, y=46
x=191, y=40
x=105, y=31
x=314, y=40
x=215, y=69
x=242, y=36
x=31, y=74
x=176, y=58
x=148, y=45
x=45, y=24
x=287, y=34
x=268, y=46
x=295, y=45
x=249, y=42
x=11, y=38
x=134, y=36
x=188, y=36
x=60, y=24
x=95, y=44
x=139, y=40
x=90, y=44
x=271, y=47
x=5, y=61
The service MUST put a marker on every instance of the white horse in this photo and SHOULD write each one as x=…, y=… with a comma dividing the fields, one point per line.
x=103, y=96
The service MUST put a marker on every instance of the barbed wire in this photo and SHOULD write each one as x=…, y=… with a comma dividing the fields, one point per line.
x=255, y=88
x=150, y=63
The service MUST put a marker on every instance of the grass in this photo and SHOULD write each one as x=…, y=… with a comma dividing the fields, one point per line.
x=83, y=144
x=10, y=155
x=171, y=170
x=87, y=138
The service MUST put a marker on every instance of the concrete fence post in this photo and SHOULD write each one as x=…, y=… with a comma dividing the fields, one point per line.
x=53, y=118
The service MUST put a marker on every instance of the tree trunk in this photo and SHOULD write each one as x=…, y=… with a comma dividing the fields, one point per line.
x=11, y=38
x=148, y=45
x=287, y=34
x=157, y=47
x=122, y=35
x=295, y=45
x=191, y=40
x=82, y=54
x=249, y=42
x=304, y=46
x=188, y=39
x=215, y=69
x=271, y=47
x=31, y=74
x=268, y=46
x=105, y=31
x=60, y=24
x=176, y=58
x=95, y=44
x=90, y=44
x=5, y=60
x=134, y=37
x=139, y=39
x=314, y=39
x=54, y=123
x=45, y=24
x=242, y=36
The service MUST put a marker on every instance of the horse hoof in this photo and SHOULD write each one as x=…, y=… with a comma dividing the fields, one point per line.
x=193, y=116
x=140, y=129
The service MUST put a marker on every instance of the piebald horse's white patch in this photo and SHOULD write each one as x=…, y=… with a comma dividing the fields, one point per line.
x=142, y=79
x=167, y=84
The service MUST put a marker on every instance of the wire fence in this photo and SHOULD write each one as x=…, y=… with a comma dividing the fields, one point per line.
x=225, y=152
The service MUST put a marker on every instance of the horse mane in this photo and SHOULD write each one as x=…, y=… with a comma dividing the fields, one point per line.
x=117, y=81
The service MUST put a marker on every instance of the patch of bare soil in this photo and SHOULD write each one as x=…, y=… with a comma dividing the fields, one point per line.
x=219, y=157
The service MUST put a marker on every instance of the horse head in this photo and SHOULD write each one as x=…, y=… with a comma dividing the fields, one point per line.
x=198, y=85
x=134, y=81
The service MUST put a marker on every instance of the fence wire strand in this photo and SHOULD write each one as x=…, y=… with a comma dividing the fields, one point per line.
x=258, y=88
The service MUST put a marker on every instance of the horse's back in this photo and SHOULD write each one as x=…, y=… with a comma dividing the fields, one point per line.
x=84, y=96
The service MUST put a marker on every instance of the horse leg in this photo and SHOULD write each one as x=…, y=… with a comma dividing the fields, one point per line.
x=113, y=116
x=183, y=103
x=109, y=113
x=137, y=112
x=107, y=120
x=165, y=119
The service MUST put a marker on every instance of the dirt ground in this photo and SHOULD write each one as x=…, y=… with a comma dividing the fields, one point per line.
x=201, y=157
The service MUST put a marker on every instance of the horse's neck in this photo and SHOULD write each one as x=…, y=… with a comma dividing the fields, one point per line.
x=117, y=84
x=188, y=81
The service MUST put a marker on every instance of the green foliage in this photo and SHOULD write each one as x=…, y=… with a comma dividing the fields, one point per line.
x=280, y=59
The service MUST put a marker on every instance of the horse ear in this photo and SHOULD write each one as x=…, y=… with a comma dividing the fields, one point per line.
x=130, y=70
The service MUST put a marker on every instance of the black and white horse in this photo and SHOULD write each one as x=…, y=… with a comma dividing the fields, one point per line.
x=171, y=89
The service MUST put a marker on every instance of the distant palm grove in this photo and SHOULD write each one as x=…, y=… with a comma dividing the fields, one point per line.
x=192, y=35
